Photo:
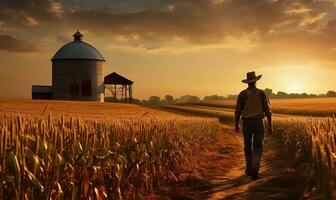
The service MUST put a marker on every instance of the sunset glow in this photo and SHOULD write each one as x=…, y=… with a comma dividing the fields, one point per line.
x=196, y=47
x=295, y=87
x=296, y=78
x=167, y=99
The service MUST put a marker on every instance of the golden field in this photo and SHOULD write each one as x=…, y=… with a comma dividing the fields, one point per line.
x=90, y=110
x=312, y=144
x=307, y=106
x=311, y=141
x=71, y=150
x=78, y=150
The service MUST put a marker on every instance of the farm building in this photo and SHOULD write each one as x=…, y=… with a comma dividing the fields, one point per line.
x=119, y=86
x=77, y=74
x=41, y=92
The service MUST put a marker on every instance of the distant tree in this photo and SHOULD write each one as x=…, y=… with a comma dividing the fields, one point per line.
x=213, y=98
x=154, y=100
x=187, y=99
x=136, y=101
x=331, y=93
x=304, y=95
x=269, y=92
x=232, y=96
x=312, y=95
x=144, y=102
x=282, y=94
x=169, y=99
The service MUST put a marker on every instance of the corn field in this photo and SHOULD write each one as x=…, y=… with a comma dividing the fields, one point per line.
x=71, y=158
x=313, y=142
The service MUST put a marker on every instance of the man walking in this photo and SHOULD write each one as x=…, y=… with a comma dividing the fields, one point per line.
x=252, y=106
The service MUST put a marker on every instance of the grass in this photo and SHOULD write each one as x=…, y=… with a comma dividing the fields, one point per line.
x=57, y=150
x=322, y=107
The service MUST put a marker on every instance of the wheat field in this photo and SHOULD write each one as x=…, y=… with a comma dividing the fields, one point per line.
x=88, y=110
x=311, y=141
x=308, y=107
x=57, y=150
x=71, y=150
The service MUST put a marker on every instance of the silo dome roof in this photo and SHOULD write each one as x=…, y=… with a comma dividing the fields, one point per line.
x=78, y=49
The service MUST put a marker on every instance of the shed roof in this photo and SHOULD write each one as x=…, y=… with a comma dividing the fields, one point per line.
x=115, y=78
x=77, y=49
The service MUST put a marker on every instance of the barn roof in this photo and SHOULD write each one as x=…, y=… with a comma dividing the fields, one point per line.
x=115, y=78
x=77, y=49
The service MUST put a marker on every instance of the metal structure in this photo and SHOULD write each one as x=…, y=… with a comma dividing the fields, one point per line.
x=77, y=72
x=119, y=87
x=41, y=92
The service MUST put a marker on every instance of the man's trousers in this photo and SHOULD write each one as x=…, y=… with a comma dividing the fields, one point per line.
x=253, y=131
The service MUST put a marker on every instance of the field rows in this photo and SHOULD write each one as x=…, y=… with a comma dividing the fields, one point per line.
x=72, y=150
x=91, y=110
x=124, y=156
x=311, y=141
x=223, y=114
x=323, y=107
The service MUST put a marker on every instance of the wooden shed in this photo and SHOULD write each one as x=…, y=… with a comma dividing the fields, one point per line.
x=119, y=87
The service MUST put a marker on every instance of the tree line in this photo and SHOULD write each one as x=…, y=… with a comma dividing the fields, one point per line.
x=169, y=99
x=284, y=95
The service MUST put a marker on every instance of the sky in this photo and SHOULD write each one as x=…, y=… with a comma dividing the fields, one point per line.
x=176, y=47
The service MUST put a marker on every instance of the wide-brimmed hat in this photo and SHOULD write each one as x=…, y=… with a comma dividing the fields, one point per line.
x=251, y=77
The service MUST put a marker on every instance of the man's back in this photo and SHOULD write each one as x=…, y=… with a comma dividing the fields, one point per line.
x=252, y=103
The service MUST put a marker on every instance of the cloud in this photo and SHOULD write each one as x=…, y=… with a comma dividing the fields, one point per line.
x=309, y=20
x=162, y=24
x=21, y=13
x=203, y=22
x=197, y=22
x=12, y=44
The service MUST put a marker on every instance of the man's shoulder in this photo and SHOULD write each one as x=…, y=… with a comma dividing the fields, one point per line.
x=243, y=92
x=242, y=95
x=262, y=93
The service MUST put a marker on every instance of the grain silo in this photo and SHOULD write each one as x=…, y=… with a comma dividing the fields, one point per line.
x=77, y=72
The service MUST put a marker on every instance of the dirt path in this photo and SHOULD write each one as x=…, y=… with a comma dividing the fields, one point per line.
x=218, y=173
x=278, y=179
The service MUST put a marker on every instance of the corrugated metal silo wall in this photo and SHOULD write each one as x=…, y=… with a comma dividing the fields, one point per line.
x=70, y=77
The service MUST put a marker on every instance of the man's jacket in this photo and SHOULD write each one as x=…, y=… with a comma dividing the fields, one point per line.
x=253, y=103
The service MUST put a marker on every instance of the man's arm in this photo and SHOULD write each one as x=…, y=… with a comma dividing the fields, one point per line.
x=239, y=108
x=237, y=127
x=270, y=125
x=268, y=112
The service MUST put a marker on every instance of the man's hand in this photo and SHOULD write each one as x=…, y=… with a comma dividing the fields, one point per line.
x=270, y=125
x=237, y=129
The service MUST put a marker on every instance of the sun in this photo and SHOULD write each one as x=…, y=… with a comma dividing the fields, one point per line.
x=294, y=87
x=293, y=78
